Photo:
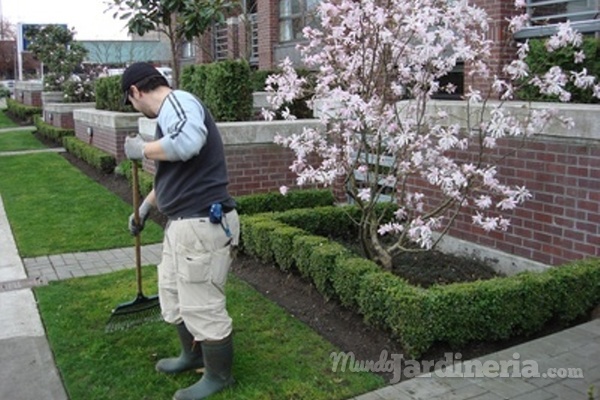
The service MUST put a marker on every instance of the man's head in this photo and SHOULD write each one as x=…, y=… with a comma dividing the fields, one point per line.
x=144, y=77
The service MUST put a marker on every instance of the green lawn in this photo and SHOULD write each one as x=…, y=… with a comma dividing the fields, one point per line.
x=19, y=140
x=276, y=356
x=54, y=208
x=6, y=122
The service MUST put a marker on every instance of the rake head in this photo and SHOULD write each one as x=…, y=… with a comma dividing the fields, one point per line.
x=139, y=311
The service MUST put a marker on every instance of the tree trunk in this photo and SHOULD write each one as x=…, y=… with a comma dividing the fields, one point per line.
x=371, y=245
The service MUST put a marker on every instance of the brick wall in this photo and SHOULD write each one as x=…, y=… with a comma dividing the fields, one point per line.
x=60, y=120
x=258, y=168
x=29, y=97
x=268, y=32
x=110, y=140
x=503, y=49
x=561, y=222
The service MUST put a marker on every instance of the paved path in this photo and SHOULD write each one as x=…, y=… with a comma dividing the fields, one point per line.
x=28, y=372
x=17, y=129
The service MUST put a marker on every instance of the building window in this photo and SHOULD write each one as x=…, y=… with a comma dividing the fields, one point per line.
x=543, y=12
x=294, y=15
x=189, y=50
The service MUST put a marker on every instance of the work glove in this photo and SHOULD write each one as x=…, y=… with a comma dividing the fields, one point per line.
x=144, y=213
x=134, y=147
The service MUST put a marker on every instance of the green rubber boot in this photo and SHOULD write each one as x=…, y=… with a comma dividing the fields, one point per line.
x=218, y=360
x=190, y=357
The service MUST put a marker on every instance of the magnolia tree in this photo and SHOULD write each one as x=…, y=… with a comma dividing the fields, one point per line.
x=378, y=64
x=54, y=45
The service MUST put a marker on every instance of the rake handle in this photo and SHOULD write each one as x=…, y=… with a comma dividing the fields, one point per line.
x=136, y=219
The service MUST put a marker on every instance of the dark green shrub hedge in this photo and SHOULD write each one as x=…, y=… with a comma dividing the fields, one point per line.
x=90, y=154
x=540, y=61
x=50, y=131
x=456, y=313
x=21, y=112
x=275, y=201
x=228, y=93
x=109, y=96
x=145, y=179
x=224, y=87
x=193, y=80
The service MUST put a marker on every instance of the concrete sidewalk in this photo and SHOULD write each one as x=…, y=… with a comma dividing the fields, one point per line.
x=28, y=371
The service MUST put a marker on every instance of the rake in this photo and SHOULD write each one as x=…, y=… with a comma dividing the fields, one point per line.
x=142, y=309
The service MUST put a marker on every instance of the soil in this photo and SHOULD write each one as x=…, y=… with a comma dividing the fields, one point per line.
x=339, y=325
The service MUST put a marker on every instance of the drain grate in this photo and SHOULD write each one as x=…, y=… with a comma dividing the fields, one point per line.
x=22, y=284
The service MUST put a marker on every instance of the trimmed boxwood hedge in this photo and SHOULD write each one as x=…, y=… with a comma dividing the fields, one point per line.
x=95, y=157
x=21, y=112
x=50, y=131
x=458, y=313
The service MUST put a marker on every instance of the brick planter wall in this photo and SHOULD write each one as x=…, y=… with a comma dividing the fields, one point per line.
x=254, y=162
x=60, y=115
x=29, y=93
x=105, y=130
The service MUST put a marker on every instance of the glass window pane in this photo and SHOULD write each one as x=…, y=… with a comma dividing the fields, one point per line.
x=285, y=8
x=285, y=30
x=296, y=6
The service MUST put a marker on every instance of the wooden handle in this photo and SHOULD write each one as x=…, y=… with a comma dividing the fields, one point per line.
x=136, y=219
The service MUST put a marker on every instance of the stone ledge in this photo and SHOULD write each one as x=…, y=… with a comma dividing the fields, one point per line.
x=67, y=107
x=110, y=119
x=29, y=85
x=238, y=133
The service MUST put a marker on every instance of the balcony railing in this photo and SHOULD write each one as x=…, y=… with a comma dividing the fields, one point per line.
x=545, y=14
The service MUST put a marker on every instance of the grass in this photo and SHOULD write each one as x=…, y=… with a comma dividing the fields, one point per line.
x=54, y=208
x=276, y=356
x=19, y=140
x=6, y=122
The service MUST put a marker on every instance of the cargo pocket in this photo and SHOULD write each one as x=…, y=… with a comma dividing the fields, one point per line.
x=204, y=267
x=193, y=266
x=221, y=260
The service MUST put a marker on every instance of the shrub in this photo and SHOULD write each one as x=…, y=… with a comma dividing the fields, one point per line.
x=50, y=131
x=282, y=240
x=109, y=96
x=258, y=79
x=21, y=112
x=4, y=92
x=228, y=94
x=540, y=61
x=302, y=248
x=79, y=91
x=193, y=80
x=91, y=155
x=322, y=266
x=456, y=313
x=275, y=201
x=145, y=179
x=347, y=278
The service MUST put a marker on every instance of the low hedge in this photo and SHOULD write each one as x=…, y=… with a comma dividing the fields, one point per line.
x=274, y=201
x=458, y=313
x=95, y=157
x=21, y=112
x=50, y=131
x=145, y=179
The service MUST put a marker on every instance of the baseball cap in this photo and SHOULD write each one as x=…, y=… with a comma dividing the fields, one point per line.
x=136, y=73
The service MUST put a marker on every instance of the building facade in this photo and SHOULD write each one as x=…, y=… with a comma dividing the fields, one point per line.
x=269, y=30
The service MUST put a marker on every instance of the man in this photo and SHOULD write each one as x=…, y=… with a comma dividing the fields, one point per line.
x=190, y=182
